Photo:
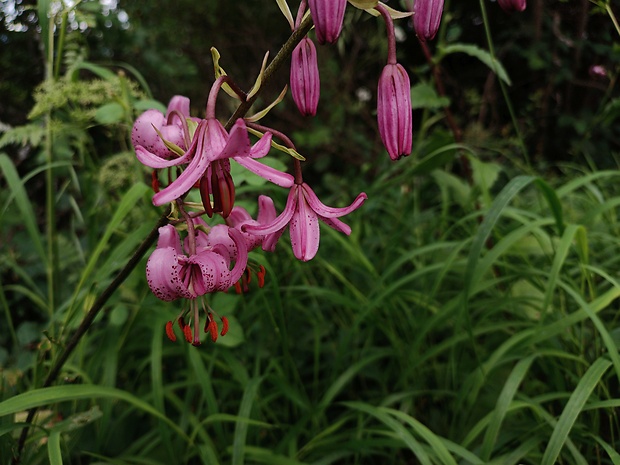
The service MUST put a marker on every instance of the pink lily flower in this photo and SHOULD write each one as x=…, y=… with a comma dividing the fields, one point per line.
x=427, y=17
x=170, y=126
x=173, y=274
x=305, y=82
x=512, y=5
x=302, y=212
x=328, y=16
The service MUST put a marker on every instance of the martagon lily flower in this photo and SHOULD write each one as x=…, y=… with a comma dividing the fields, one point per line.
x=172, y=274
x=301, y=214
x=145, y=129
x=206, y=159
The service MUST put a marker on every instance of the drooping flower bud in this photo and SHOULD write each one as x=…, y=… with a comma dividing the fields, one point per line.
x=305, y=83
x=427, y=17
x=512, y=5
x=394, y=111
x=327, y=16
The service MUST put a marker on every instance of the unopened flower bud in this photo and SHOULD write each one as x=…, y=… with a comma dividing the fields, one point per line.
x=427, y=17
x=394, y=110
x=327, y=16
x=512, y=5
x=305, y=83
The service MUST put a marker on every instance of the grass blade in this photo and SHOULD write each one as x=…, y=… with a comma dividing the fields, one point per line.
x=23, y=204
x=241, y=429
x=572, y=409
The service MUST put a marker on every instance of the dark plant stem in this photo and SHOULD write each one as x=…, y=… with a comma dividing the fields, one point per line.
x=281, y=58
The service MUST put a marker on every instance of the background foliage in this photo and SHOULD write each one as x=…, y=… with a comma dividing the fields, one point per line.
x=468, y=319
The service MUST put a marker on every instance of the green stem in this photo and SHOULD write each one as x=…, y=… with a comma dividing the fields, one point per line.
x=9, y=319
x=487, y=30
x=61, y=44
x=612, y=17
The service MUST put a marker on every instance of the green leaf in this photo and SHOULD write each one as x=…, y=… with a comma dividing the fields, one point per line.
x=110, y=113
x=54, y=394
x=23, y=204
x=573, y=408
x=148, y=104
x=482, y=55
x=423, y=95
x=241, y=428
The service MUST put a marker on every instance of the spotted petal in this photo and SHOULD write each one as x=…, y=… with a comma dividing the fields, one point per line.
x=304, y=231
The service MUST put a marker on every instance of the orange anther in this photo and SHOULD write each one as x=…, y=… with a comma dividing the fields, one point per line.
x=170, y=331
x=224, y=326
x=187, y=332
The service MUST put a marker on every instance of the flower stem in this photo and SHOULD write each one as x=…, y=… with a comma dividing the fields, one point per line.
x=280, y=59
x=391, y=37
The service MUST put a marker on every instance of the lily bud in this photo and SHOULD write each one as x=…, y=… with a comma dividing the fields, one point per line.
x=327, y=16
x=305, y=83
x=512, y=5
x=394, y=111
x=427, y=17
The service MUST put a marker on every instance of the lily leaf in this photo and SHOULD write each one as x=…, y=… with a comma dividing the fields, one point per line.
x=364, y=4
x=219, y=72
x=286, y=11
x=482, y=55
x=259, y=79
x=261, y=114
x=394, y=14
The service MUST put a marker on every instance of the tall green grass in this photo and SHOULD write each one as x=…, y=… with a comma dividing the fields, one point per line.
x=494, y=340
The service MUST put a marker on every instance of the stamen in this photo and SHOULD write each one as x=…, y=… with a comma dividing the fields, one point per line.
x=261, y=276
x=154, y=182
x=213, y=330
x=224, y=326
x=170, y=331
x=187, y=332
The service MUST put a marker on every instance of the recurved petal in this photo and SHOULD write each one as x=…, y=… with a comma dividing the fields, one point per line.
x=169, y=237
x=143, y=132
x=280, y=222
x=152, y=160
x=330, y=212
x=179, y=103
x=162, y=273
x=304, y=231
x=262, y=146
x=241, y=260
x=186, y=180
x=238, y=143
x=213, y=270
x=267, y=172
x=336, y=224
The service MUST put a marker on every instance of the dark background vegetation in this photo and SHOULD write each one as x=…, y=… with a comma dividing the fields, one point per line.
x=548, y=50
